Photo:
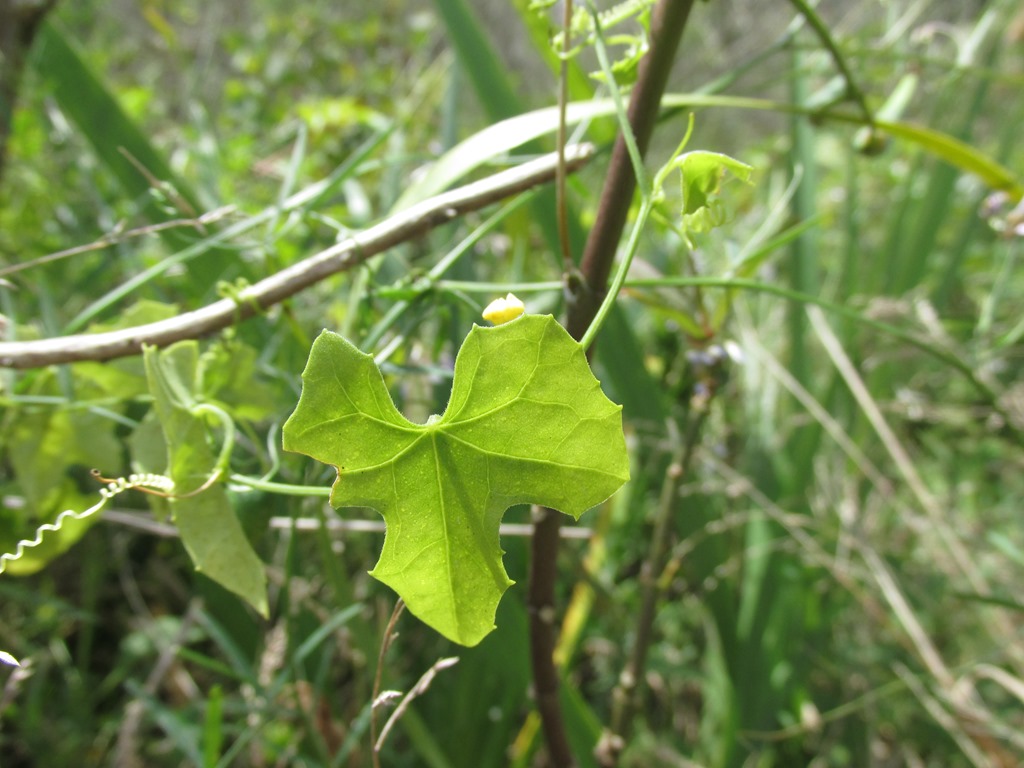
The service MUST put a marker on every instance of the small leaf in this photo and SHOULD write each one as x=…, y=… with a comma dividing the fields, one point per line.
x=208, y=525
x=702, y=174
x=527, y=423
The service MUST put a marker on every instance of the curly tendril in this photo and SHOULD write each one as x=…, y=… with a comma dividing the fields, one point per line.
x=159, y=485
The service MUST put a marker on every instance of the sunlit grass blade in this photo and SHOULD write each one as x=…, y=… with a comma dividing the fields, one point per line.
x=122, y=147
x=912, y=263
x=495, y=141
x=304, y=199
x=495, y=91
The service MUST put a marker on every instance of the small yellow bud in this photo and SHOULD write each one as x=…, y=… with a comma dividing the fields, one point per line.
x=502, y=310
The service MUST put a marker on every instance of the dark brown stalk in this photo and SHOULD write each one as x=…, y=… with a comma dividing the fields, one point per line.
x=544, y=633
x=667, y=24
x=19, y=21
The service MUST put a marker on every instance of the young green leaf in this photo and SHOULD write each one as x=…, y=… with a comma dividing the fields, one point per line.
x=527, y=422
x=702, y=174
x=209, y=529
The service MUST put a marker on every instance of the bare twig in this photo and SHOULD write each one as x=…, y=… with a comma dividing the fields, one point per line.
x=417, y=690
x=378, y=699
x=402, y=227
x=119, y=235
x=378, y=526
x=148, y=524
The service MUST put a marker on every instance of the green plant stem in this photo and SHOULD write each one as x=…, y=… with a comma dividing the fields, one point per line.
x=561, y=203
x=667, y=23
x=620, y=276
x=284, y=489
x=636, y=154
x=825, y=36
x=228, y=444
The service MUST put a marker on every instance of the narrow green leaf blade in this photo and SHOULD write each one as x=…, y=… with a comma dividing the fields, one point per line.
x=122, y=147
x=504, y=136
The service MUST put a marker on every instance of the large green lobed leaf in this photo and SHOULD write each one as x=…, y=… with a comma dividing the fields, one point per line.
x=527, y=423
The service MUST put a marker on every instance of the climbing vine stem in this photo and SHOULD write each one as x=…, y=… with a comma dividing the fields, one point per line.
x=228, y=443
x=649, y=198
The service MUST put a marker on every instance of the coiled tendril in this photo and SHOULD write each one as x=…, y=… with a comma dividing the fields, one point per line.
x=159, y=485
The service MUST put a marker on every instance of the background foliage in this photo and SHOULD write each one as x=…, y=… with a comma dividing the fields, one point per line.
x=818, y=553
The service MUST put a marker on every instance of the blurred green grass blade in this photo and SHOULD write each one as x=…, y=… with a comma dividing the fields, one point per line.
x=582, y=726
x=803, y=269
x=178, y=726
x=495, y=141
x=302, y=200
x=495, y=90
x=97, y=113
x=933, y=210
x=719, y=721
x=482, y=64
x=235, y=656
x=1004, y=544
x=353, y=741
x=213, y=732
x=500, y=138
x=339, y=619
x=620, y=355
x=288, y=186
x=426, y=747
x=774, y=606
x=899, y=98
x=957, y=153
x=115, y=138
x=211, y=664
